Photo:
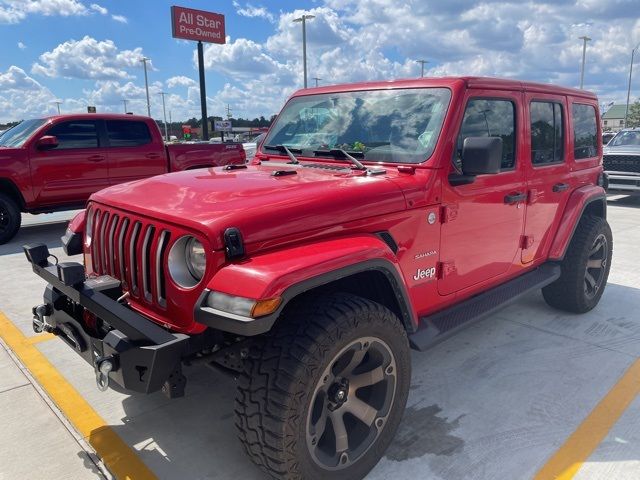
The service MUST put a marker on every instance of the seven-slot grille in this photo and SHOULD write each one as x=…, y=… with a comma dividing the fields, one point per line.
x=622, y=163
x=132, y=250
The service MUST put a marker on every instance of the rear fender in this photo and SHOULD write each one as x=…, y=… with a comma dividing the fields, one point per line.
x=586, y=200
x=294, y=271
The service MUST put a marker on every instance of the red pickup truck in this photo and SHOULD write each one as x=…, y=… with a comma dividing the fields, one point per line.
x=56, y=163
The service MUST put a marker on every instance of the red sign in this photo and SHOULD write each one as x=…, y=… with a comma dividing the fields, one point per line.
x=193, y=24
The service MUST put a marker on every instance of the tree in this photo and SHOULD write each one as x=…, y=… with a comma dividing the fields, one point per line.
x=633, y=120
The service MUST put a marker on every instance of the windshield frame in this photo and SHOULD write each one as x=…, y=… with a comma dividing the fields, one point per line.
x=446, y=106
x=22, y=133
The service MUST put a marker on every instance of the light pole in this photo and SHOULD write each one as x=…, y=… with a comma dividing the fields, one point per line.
x=626, y=112
x=584, y=39
x=124, y=100
x=317, y=80
x=164, y=113
x=144, y=61
x=59, y=103
x=304, y=19
x=422, y=62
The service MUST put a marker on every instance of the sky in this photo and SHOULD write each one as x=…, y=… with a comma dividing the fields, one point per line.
x=82, y=53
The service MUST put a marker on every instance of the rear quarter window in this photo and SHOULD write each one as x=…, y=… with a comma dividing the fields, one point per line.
x=127, y=133
x=585, y=131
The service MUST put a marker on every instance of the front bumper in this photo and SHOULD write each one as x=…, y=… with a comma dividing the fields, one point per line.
x=623, y=181
x=143, y=356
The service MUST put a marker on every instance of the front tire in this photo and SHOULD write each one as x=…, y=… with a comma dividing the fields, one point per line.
x=322, y=395
x=585, y=268
x=10, y=218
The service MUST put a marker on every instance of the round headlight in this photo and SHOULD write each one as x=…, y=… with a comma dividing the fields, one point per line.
x=196, y=258
x=187, y=261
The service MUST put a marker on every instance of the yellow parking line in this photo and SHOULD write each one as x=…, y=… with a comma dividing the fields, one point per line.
x=42, y=337
x=120, y=459
x=566, y=462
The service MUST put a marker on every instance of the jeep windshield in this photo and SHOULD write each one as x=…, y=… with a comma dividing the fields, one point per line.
x=16, y=136
x=398, y=125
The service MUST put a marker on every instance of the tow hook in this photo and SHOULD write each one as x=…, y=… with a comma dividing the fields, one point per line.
x=39, y=323
x=103, y=367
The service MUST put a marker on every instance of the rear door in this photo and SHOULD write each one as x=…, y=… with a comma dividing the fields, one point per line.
x=483, y=221
x=72, y=171
x=133, y=151
x=549, y=180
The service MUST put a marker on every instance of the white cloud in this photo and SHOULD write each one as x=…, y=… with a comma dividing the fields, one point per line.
x=98, y=8
x=22, y=96
x=120, y=18
x=88, y=58
x=252, y=11
x=180, y=80
x=14, y=11
x=21, y=46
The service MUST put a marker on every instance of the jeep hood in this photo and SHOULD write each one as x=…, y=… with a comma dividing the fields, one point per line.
x=262, y=205
x=622, y=150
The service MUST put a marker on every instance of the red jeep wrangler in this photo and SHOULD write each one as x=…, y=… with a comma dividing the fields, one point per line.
x=375, y=217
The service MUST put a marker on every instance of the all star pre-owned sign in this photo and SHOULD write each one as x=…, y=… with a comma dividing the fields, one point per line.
x=191, y=24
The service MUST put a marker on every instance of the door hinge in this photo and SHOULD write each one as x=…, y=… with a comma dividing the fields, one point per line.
x=444, y=269
x=448, y=213
x=526, y=241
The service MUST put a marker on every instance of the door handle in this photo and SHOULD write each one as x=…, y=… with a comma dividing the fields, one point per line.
x=95, y=158
x=560, y=187
x=515, y=198
x=152, y=156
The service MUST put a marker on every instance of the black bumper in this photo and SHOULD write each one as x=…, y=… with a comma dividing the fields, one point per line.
x=145, y=357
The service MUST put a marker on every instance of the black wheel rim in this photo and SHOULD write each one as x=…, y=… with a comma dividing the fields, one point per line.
x=350, y=403
x=596, y=266
x=5, y=219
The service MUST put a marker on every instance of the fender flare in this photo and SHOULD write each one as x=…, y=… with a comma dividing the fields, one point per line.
x=580, y=200
x=291, y=272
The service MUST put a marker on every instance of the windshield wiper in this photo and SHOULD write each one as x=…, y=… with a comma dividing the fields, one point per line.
x=339, y=153
x=285, y=149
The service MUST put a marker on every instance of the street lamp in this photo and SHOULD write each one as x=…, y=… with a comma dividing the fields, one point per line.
x=124, y=100
x=584, y=39
x=164, y=113
x=144, y=60
x=59, y=103
x=304, y=19
x=626, y=112
x=422, y=62
x=317, y=80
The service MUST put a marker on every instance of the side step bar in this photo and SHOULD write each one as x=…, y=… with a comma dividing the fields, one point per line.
x=441, y=325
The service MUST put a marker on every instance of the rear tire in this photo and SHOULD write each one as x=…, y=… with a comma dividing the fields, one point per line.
x=585, y=268
x=10, y=218
x=303, y=376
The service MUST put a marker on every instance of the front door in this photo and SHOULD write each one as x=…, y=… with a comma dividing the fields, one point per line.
x=72, y=171
x=483, y=220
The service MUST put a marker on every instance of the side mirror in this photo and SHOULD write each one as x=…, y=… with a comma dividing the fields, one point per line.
x=481, y=155
x=47, y=142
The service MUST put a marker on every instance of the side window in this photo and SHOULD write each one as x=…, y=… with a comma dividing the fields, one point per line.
x=75, y=134
x=585, y=131
x=489, y=118
x=126, y=133
x=547, y=133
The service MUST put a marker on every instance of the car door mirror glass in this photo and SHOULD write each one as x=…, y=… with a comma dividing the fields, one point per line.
x=47, y=142
x=481, y=155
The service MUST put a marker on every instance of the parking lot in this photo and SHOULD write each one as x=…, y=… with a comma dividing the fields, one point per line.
x=500, y=400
